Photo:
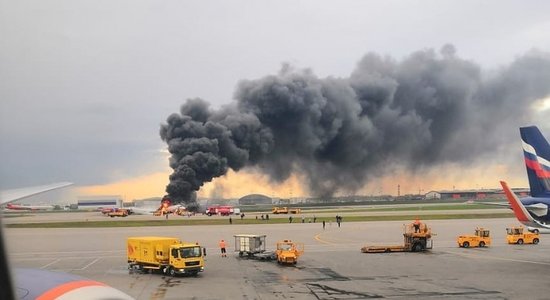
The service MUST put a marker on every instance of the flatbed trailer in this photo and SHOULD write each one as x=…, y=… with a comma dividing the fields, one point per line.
x=383, y=249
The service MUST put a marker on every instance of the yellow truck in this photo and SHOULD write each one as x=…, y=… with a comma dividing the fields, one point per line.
x=285, y=210
x=166, y=254
x=516, y=235
x=288, y=252
x=480, y=238
x=118, y=212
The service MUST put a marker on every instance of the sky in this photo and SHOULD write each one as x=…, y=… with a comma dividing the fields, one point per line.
x=86, y=85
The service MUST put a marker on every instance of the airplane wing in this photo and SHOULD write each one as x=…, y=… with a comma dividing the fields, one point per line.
x=8, y=196
x=43, y=284
x=503, y=204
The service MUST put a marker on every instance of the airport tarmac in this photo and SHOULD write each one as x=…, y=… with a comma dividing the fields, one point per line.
x=331, y=268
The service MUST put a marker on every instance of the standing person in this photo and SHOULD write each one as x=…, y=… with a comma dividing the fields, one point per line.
x=290, y=219
x=416, y=225
x=267, y=217
x=230, y=220
x=303, y=219
x=323, y=224
x=166, y=216
x=222, y=248
x=242, y=216
x=314, y=219
x=339, y=220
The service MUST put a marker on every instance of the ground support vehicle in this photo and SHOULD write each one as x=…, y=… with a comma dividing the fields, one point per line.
x=118, y=212
x=252, y=246
x=413, y=241
x=285, y=210
x=516, y=235
x=481, y=238
x=288, y=252
x=166, y=254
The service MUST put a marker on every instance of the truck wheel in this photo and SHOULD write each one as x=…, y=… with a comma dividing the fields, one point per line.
x=520, y=242
x=482, y=244
x=535, y=241
x=172, y=272
x=466, y=244
x=417, y=247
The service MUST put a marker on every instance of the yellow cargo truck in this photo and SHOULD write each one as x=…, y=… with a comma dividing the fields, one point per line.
x=166, y=254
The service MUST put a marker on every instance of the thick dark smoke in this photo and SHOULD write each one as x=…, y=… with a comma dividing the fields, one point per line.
x=428, y=109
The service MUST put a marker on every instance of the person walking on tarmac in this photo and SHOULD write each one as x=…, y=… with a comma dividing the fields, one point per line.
x=416, y=225
x=222, y=248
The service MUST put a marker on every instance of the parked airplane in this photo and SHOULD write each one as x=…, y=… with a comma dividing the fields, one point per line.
x=533, y=211
x=43, y=284
x=18, y=207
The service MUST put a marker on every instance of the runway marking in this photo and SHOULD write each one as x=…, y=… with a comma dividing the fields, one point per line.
x=86, y=266
x=499, y=258
x=66, y=252
x=53, y=262
x=318, y=238
x=65, y=257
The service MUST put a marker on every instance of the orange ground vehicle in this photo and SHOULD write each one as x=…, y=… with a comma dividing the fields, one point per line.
x=417, y=237
x=288, y=252
x=516, y=235
x=118, y=212
x=480, y=238
x=285, y=210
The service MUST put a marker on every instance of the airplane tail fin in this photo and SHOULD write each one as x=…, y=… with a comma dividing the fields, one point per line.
x=519, y=209
x=536, y=152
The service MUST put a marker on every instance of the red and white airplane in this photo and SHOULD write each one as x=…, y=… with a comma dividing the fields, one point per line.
x=11, y=206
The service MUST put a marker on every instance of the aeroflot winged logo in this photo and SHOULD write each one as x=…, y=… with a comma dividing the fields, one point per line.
x=536, y=151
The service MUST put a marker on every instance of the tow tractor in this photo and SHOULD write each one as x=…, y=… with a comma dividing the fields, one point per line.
x=252, y=246
x=516, y=235
x=288, y=252
x=481, y=238
x=416, y=238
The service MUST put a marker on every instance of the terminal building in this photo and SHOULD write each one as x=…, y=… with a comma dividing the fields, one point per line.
x=475, y=194
x=99, y=202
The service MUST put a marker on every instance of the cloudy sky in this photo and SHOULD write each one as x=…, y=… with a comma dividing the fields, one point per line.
x=85, y=85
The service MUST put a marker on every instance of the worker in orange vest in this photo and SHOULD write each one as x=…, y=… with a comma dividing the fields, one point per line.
x=222, y=248
x=416, y=225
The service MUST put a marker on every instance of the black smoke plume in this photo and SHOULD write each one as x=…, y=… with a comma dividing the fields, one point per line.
x=428, y=109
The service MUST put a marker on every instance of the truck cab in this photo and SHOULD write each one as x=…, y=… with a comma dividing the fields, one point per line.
x=185, y=259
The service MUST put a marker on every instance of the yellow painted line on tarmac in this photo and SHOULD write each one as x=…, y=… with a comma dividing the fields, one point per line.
x=499, y=258
x=333, y=241
x=318, y=238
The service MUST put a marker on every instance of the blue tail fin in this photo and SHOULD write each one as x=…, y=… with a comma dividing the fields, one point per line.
x=536, y=152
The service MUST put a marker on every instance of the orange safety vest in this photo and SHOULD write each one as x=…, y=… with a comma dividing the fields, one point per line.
x=222, y=244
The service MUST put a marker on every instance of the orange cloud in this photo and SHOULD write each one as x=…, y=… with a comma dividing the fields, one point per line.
x=147, y=186
x=242, y=183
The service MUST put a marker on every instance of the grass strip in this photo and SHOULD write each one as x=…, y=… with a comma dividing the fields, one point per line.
x=194, y=222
